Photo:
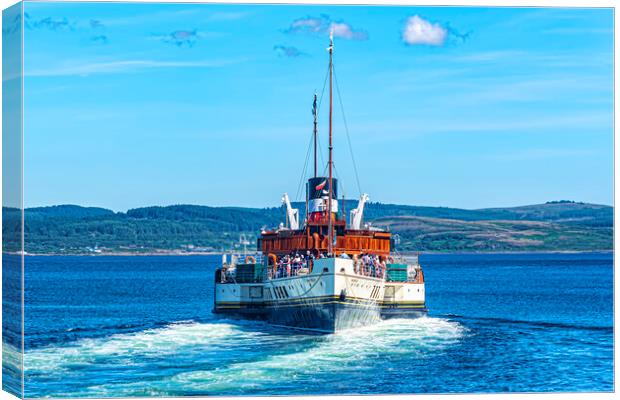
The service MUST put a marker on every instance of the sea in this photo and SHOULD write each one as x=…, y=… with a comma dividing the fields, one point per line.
x=122, y=326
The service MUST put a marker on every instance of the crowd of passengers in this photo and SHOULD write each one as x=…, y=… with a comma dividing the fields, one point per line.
x=297, y=264
x=370, y=265
x=294, y=264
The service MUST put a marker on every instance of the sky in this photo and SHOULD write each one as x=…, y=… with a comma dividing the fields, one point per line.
x=131, y=105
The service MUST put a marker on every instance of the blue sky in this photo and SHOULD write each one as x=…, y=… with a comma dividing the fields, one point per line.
x=129, y=105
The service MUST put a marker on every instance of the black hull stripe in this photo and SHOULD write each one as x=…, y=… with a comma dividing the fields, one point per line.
x=275, y=307
x=324, y=318
x=318, y=298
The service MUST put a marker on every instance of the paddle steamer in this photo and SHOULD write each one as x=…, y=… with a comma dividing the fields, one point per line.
x=323, y=274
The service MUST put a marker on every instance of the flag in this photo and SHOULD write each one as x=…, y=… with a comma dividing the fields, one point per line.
x=321, y=185
x=314, y=106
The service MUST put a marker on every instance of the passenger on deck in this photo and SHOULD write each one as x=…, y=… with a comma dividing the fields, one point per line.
x=383, y=267
x=297, y=260
x=365, y=264
x=377, y=266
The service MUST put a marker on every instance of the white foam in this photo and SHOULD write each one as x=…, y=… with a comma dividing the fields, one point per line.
x=11, y=357
x=341, y=353
x=124, y=348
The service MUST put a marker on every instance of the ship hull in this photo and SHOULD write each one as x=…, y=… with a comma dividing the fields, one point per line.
x=327, y=315
x=330, y=299
x=388, y=312
x=324, y=318
x=403, y=300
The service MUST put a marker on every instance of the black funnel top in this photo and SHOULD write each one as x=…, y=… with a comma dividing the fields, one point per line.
x=319, y=187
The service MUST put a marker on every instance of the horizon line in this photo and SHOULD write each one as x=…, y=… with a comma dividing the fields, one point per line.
x=274, y=206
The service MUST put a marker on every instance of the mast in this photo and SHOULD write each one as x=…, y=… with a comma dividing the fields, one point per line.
x=314, y=131
x=330, y=227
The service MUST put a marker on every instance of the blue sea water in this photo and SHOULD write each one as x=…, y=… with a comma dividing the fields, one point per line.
x=142, y=326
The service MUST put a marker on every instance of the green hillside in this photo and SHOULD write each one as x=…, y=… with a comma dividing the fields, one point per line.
x=71, y=229
x=438, y=234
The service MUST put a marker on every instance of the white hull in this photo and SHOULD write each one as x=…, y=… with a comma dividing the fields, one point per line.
x=331, y=298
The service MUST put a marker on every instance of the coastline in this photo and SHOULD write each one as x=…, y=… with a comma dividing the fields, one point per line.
x=211, y=253
x=410, y=253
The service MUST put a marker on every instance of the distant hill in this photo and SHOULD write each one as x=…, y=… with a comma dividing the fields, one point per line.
x=563, y=212
x=71, y=229
x=439, y=234
x=557, y=211
x=68, y=211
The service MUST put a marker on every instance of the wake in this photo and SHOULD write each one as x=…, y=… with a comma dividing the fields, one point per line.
x=236, y=356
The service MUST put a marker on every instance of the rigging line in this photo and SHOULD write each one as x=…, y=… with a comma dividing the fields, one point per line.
x=323, y=90
x=320, y=147
x=337, y=176
x=325, y=170
x=346, y=128
x=318, y=111
x=303, y=172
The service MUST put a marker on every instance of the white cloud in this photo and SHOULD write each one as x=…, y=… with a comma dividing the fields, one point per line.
x=124, y=66
x=580, y=31
x=593, y=122
x=175, y=16
x=540, y=154
x=420, y=31
x=323, y=25
x=340, y=29
x=309, y=24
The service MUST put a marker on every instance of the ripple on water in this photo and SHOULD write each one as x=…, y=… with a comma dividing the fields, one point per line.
x=228, y=357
